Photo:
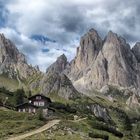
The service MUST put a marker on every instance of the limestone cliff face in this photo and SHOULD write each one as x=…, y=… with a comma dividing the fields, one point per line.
x=90, y=45
x=12, y=62
x=99, y=63
x=120, y=61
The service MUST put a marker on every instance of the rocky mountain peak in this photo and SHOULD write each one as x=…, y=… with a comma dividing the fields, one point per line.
x=62, y=58
x=8, y=51
x=59, y=65
x=93, y=33
x=90, y=39
x=11, y=60
x=90, y=45
x=112, y=38
x=120, y=60
x=116, y=41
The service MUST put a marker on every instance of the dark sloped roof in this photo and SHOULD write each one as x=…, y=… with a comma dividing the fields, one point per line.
x=41, y=96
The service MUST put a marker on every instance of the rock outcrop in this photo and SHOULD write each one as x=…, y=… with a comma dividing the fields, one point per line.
x=101, y=112
x=133, y=101
x=58, y=85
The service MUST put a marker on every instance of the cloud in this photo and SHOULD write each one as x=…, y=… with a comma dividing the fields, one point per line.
x=35, y=51
x=65, y=21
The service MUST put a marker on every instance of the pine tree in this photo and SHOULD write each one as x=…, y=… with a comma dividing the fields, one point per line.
x=19, y=97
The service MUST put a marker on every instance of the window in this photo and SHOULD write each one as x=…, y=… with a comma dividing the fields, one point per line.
x=36, y=103
x=41, y=103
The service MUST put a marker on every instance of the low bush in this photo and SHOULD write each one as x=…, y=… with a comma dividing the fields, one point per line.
x=95, y=135
x=63, y=107
x=105, y=127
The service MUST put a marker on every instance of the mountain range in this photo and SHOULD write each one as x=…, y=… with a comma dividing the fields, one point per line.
x=98, y=64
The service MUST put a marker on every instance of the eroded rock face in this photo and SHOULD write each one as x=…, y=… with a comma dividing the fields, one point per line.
x=120, y=61
x=136, y=51
x=8, y=52
x=12, y=62
x=90, y=45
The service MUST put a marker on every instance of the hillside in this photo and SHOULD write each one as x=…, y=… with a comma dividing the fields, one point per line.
x=13, y=123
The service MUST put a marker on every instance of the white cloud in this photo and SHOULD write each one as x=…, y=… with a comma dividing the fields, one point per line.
x=65, y=21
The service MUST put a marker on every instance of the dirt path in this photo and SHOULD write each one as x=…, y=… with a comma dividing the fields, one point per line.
x=41, y=129
x=80, y=119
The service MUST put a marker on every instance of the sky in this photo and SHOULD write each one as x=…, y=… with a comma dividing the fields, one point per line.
x=45, y=29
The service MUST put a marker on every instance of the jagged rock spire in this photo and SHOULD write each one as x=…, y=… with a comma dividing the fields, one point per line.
x=59, y=65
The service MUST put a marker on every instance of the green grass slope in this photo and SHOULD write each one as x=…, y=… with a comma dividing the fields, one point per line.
x=13, y=123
